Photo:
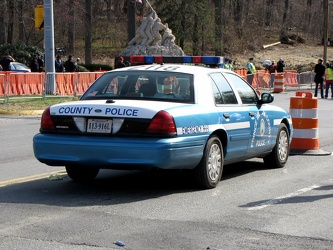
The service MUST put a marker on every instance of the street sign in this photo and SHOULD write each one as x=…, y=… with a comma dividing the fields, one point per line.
x=39, y=17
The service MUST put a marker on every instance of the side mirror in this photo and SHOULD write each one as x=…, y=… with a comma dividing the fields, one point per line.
x=266, y=98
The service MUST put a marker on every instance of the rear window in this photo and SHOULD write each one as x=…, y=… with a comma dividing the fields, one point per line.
x=147, y=85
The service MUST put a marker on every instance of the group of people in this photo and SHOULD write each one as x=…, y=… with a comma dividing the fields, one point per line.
x=70, y=65
x=272, y=68
x=269, y=65
x=37, y=64
x=323, y=73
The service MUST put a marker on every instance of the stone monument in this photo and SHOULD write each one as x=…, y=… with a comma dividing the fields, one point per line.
x=153, y=38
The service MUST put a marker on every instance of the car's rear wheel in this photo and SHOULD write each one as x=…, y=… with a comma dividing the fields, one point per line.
x=279, y=156
x=209, y=171
x=80, y=173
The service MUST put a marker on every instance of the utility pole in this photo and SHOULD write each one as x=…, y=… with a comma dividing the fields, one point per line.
x=325, y=30
x=49, y=46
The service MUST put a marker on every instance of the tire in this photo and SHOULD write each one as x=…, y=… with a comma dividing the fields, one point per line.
x=279, y=155
x=209, y=171
x=80, y=173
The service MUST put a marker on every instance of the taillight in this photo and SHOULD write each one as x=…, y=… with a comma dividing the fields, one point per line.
x=162, y=124
x=46, y=122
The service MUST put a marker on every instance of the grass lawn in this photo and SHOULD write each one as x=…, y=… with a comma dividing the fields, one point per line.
x=32, y=102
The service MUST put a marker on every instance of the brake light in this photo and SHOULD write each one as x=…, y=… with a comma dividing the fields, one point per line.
x=46, y=121
x=162, y=124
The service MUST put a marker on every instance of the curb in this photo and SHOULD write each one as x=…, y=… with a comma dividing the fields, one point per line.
x=318, y=152
x=22, y=112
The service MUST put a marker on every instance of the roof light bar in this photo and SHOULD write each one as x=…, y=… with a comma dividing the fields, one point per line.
x=208, y=60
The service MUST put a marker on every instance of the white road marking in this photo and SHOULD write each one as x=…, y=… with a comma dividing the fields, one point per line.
x=281, y=198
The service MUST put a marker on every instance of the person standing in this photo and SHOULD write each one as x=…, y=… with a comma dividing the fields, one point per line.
x=120, y=63
x=329, y=80
x=272, y=71
x=280, y=66
x=319, y=77
x=5, y=62
x=40, y=60
x=34, y=66
x=59, y=66
x=70, y=65
x=251, y=69
x=228, y=64
x=266, y=64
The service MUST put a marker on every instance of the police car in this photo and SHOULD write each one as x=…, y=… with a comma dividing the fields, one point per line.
x=164, y=116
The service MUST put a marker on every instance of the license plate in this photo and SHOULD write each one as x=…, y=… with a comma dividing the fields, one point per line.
x=99, y=126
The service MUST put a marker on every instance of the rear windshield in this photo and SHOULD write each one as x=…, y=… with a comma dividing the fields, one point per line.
x=147, y=85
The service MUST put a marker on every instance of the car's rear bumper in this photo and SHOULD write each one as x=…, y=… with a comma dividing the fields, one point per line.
x=119, y=153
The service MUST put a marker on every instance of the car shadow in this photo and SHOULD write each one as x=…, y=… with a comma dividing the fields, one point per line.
x=113, y=187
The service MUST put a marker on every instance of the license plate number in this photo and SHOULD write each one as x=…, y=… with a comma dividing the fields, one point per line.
x=99, y=126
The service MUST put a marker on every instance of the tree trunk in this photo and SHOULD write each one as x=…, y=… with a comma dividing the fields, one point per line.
x=182, y=24
x=285, y=14
x=268, y=15
x=11, y=16
x=71, y=27
x=195, y=36
x=238, y=17
x=131, y=19
x=218, y=27
x=21, y=21
x=2, y=21
x=88, y=53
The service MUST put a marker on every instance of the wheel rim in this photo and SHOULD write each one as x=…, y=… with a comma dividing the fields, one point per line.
x=214, y=162
x=283, y=145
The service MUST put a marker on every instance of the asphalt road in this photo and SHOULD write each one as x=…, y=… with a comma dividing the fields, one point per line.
x=252, y=208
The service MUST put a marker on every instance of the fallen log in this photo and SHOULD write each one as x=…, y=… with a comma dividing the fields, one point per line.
x=269, y=45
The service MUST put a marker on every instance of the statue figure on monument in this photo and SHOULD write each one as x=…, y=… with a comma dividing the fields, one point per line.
x=149, y=27
x=157, y=38
x=168, y=39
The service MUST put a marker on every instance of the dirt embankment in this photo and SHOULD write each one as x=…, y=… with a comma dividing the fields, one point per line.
x=300, y=57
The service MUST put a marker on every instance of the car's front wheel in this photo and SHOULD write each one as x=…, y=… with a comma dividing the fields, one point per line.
x=279, y=156
x=80, y=173
x=209, y=171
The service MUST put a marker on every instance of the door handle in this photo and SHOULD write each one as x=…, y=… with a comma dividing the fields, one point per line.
x=251, y=114
x=226, y=115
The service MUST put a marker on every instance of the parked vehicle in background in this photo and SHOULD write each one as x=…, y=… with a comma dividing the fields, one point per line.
x=19, y=67
x=166, y=116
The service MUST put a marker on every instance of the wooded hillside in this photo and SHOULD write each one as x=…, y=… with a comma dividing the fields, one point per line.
x=201, y=27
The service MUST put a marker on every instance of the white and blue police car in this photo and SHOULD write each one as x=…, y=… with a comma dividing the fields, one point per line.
x=165, y=116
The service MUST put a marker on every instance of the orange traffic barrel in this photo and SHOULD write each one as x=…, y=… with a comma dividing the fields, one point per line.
x=278, y=83
x=304, y=116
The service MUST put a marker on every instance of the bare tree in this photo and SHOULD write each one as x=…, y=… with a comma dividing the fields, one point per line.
x=71, y=26
x=88, y=53
x=218, y=27
x=11, y=18
x=3, y=4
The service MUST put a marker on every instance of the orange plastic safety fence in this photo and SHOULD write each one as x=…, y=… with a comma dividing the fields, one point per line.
x=26, y=83
x=291, y=78
x=65, y=83
x=2, y=84
x=84, y=80
x=241, y=72
x=263, y=79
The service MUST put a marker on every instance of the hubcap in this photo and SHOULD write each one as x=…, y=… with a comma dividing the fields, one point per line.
x=214, y=162
x=283, y=145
